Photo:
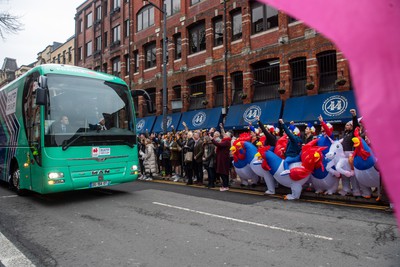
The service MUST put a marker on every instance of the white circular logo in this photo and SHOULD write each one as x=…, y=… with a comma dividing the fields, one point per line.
x=199, y=119
x=335, y=105
x=169, y=122
x=251, y=113
x=140, y=124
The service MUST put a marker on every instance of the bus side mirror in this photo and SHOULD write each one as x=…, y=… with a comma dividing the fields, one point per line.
x=41, y=96
x=41, y=91
x=42, y=82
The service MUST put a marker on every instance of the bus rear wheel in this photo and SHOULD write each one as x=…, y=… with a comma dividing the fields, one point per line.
x=15, y=180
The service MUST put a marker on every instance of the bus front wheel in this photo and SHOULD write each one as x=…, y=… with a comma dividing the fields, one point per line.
x=15, y=180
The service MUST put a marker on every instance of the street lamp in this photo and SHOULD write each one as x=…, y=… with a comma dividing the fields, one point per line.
x=163, y=10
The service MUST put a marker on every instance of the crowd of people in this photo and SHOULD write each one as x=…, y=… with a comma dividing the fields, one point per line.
x=187, y=154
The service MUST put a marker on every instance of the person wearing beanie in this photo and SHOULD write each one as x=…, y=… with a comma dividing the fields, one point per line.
x=293, y=148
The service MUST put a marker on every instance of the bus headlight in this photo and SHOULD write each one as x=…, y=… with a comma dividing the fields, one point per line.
x=55, y=175
x=134, y=168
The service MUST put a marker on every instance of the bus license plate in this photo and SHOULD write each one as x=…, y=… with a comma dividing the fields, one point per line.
x=99, y=183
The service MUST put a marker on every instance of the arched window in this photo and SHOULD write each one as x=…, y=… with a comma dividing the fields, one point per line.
x=266, y=80
x=145, y=17
x=218, y=83
x=197, y=91
x=327, y=67
x=152, y=94
x=298, y=70
x=237, y=87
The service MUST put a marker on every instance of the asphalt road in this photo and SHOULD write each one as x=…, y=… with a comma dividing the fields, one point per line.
x=155, y=224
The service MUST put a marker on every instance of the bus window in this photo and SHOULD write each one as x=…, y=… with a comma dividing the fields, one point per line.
x=32, y=116
x=86, y=102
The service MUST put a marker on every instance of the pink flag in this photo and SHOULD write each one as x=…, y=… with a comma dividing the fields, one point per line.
x=367, y=33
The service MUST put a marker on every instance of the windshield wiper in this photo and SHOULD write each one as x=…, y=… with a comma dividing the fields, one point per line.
x=69, y=142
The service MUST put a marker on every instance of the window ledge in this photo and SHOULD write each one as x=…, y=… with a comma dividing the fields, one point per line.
x=150, y=69
x=236, y=41
x=218, y=47
x=197, y=53
x=264, y=32
x=295, y=23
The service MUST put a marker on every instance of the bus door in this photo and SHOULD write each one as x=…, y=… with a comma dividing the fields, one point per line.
x=32, y=121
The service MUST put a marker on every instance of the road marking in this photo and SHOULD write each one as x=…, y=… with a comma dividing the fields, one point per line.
x=246, y=222
x=258, y=193
x=8, y=196
x=10, y=256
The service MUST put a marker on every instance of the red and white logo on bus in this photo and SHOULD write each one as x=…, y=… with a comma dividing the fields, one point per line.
x=95, y=151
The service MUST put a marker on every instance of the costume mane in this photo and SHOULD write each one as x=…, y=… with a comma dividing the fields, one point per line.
x=359, y=150
x=262, y=150
x=280, y=146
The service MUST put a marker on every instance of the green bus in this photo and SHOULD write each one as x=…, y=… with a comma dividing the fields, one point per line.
x=66, y=128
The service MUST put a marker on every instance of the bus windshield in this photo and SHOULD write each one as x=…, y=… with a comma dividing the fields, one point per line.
x=87, y=112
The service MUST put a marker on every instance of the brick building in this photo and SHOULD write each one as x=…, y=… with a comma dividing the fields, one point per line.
x=269, y=55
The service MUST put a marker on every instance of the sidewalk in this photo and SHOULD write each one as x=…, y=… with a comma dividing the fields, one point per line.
x=281, y=191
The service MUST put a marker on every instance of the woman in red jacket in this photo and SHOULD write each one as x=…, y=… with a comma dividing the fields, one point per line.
x=223, y=164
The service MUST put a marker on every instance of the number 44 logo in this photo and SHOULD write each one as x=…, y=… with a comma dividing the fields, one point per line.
x=335, y=105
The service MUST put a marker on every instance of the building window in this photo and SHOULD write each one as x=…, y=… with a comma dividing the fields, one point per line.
x=98, y=43
x=136, y=63
x=197, y=38
x=116, y=67
x=263, y=17
x=236, y=25
x=298, y=70
x=80, y=29
x=145, y=18
x=116, y=34
x=193, y=2
x=150, y=55
x=126, y=28
x=219, y=90
x=64, y=57
x=178, y=45
x=327, y=66
x=98, y=13
x=291, y=19
x=105, y=39
x=116, y=4
x=237, y=87
x=218, y=31
x=105, y=66
x=173, y=6
x=89, y=20
x=266, y=80
x=89, y=49
x=80, y=53
x=69, y=54
x=152, y=94
x=176, y=101
x=127, y=64
x=197, y=89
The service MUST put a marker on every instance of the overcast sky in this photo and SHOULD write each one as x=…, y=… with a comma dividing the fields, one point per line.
x=45, y=22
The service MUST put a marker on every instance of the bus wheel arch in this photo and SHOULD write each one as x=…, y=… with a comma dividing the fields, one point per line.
x=15, y=177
